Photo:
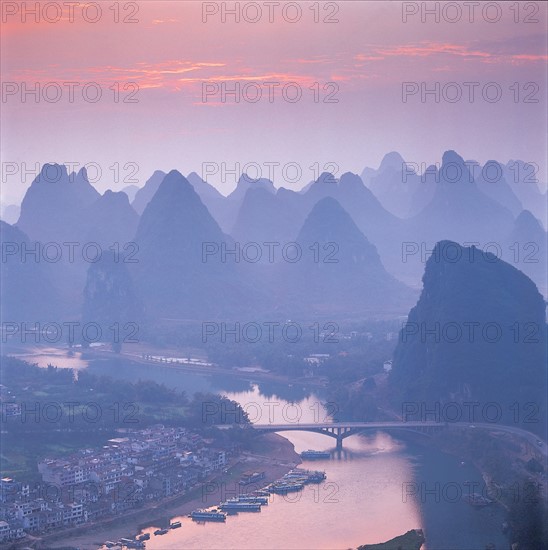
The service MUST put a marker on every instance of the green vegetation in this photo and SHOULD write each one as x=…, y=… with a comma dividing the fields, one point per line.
x=20, y=454
x=59, y=413
x=55, y=399
x=353, y=346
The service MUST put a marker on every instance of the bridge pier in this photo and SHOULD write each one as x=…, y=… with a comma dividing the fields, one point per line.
x=339, y=437
x=342, y=430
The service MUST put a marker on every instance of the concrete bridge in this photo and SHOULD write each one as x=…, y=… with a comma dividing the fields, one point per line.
x=342, y=430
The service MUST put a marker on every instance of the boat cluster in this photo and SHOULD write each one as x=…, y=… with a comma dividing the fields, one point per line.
x=242, y=503
x=295, y=480
x=128, y=543
x=139, y=542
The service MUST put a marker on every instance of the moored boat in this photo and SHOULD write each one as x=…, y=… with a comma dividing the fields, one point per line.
x=281, y=488
x=175, y=525
x=130, y=543
x=315, y=454
x=204, y=515
x=252, y=499
x=236, y=506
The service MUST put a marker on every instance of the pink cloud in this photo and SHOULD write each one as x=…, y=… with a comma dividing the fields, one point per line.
x=164, y=21
x=426, y=49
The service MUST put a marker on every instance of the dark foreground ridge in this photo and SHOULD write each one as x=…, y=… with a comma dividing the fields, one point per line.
x=412, y=540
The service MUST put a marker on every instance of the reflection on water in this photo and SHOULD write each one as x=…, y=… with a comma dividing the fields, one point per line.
x=361, y=502
x=273, y=407
x=439, y=481
x=59, y=357
x=276, y=390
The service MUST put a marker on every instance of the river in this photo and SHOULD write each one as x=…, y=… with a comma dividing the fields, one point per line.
x=373, y=492
x=380, y=486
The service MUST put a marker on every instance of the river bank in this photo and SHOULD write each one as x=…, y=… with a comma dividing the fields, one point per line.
x=272, y=454
x=136, y=354
x=364, y=491
x=500, y=459
x=514, y=474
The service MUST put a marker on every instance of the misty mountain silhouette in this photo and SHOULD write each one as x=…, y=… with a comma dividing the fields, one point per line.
x=526, y=248
x=55, y=204
x=26, y=292
x=145, y=194
x=110, y=299
x=492, y=183
x=131, y=191
x=522, y=178
x=459, y=210
x=171, y=275
x=180, y=216
x=461, y=287
x=340, y=270
x=398, y=187
x=111, y=219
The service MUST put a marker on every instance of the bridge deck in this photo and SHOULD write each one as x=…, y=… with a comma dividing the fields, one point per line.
x=324, y=425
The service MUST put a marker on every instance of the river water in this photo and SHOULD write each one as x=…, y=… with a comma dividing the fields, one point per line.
x=374, y=491
x=378, y=487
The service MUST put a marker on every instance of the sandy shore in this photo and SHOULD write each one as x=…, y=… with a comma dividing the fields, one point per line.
x=272, y=454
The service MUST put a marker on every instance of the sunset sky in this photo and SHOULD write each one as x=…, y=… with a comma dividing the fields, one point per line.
x=169, y=52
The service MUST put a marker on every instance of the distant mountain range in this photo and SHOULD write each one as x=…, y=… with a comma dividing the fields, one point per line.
x=458, y=209
x=382, y=229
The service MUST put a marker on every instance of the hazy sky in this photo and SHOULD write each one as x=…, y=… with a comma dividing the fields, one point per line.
x=170, y=53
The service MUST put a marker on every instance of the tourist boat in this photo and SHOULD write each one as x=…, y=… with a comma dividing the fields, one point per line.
x=282, y=488
x=252, y=499
x=204, y=515
x=237, y=506
x=248, y=479
x=316, y=476
x=295, y=475
x=130, y=543
x=175, y=525
x=315, y=454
